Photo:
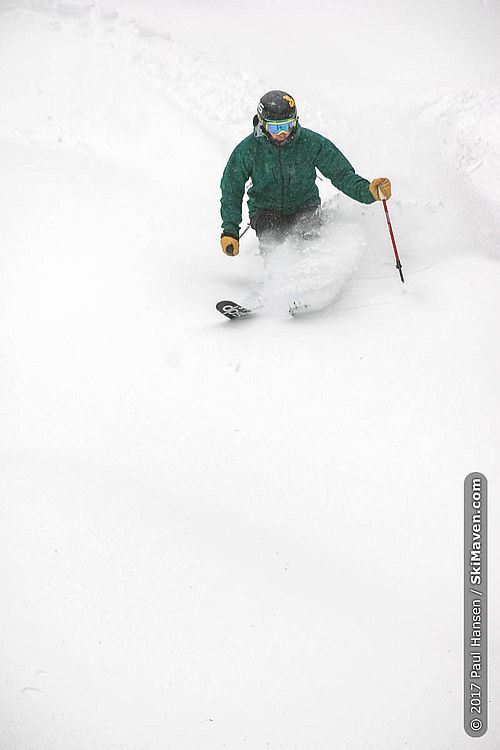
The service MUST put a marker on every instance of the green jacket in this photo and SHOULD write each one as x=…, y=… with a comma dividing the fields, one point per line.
x=284, y=177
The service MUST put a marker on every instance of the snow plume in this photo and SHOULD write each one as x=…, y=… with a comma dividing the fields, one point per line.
x=308, y=273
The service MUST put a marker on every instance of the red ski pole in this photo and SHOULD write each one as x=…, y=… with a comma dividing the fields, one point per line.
x=398, y=262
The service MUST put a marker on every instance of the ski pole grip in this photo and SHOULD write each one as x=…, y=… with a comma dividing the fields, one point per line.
x=230, y=249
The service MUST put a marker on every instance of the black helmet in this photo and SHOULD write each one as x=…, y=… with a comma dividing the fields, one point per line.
x=276, y=105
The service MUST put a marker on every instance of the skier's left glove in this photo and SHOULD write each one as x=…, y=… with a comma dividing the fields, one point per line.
x=380, y=186
x=230, y=245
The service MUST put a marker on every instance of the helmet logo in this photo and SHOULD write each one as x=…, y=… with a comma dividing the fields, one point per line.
x=260, y=108
x=290, y=100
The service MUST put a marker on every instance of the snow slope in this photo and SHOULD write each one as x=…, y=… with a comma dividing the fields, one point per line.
x=248, y=535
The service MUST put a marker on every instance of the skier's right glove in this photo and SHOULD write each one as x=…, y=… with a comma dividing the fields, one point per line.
x=230, y=245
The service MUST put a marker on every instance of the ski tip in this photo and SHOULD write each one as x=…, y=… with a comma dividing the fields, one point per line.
x=232, y=310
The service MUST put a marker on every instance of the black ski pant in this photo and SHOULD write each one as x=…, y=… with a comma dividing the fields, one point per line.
x=273, y=227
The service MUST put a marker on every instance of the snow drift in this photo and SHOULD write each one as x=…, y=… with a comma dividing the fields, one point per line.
x=240, y=536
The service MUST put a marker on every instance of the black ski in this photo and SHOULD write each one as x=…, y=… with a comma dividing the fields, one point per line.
x=232, y=310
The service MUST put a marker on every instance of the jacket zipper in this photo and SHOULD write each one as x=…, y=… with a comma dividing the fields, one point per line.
x=280, y=158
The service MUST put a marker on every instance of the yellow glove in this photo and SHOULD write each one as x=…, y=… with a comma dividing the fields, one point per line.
x=384, y=185
x=229, y=245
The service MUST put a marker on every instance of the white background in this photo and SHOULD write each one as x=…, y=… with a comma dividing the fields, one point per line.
x=241, y=536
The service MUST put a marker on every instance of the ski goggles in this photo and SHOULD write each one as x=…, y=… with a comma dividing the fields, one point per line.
x=280, y=126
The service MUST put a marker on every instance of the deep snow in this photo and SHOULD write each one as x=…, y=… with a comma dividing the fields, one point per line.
x=247, y=535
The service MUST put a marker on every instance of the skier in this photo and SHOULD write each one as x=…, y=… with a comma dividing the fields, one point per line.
x=281, y=158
